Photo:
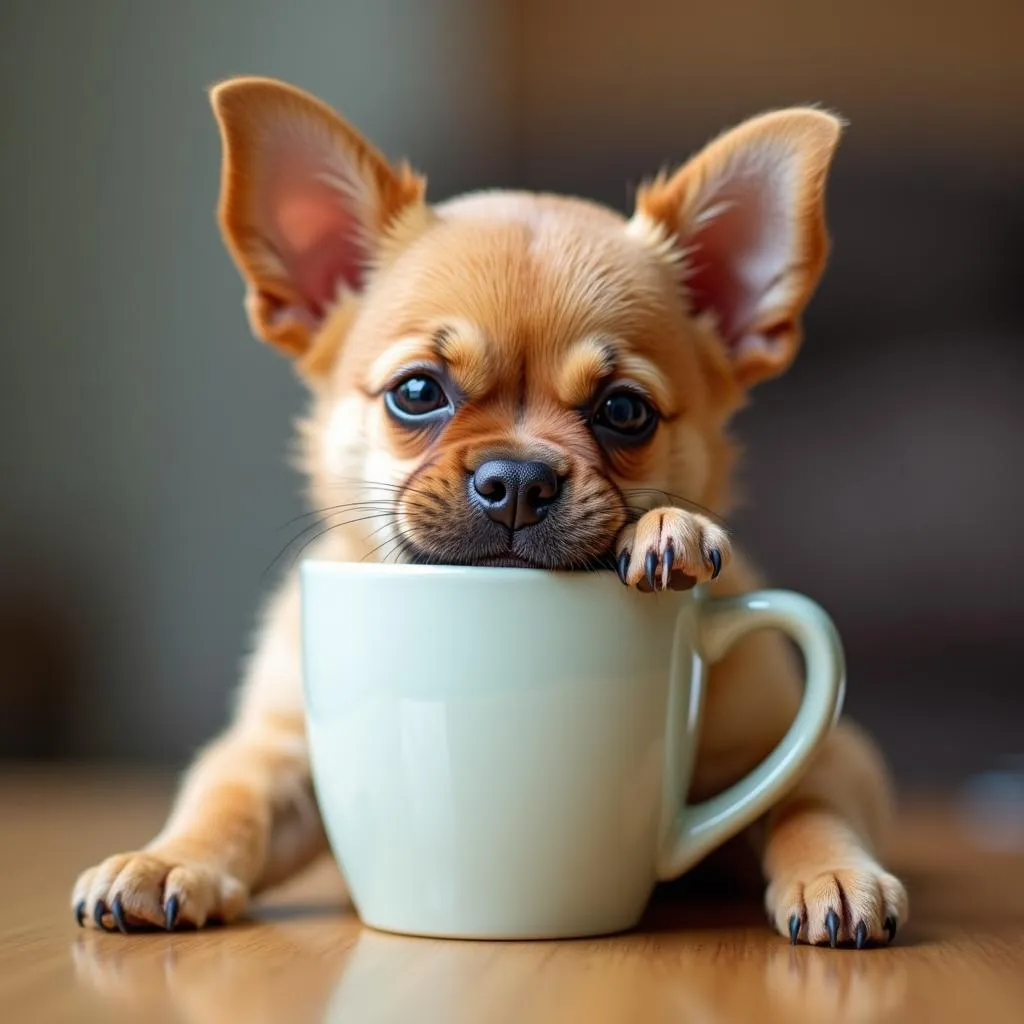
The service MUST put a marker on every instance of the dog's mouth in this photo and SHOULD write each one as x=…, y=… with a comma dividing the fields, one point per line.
x=511, y=560
x=508, y=562
x=576, y=536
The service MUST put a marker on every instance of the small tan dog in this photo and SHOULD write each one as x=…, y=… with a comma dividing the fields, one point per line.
x=525, y=380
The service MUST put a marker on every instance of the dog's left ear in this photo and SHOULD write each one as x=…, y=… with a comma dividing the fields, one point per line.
x=745, y=223
x=305, y=206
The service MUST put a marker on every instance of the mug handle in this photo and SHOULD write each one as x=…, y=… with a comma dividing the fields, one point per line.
x=699, y=828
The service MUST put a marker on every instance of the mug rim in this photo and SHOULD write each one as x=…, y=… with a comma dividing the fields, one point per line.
x=472, y=573
x=479, y=572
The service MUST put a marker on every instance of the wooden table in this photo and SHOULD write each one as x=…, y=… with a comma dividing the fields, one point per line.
x=305, y=956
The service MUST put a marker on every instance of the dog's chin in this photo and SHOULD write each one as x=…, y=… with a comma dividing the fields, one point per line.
x=508, y=560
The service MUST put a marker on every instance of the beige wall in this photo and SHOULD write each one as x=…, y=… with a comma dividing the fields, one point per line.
x=604, y=72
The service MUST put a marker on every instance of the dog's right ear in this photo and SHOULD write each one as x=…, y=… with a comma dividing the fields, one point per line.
x=305, y=205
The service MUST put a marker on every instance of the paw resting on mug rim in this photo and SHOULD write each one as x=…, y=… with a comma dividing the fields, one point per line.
x=671, y=549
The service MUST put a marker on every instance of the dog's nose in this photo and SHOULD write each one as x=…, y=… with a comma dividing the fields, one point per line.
x=514, y=493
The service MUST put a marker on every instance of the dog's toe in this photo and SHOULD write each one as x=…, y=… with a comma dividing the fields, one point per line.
x=146, y=890
x=856, y=907
x=670, y=549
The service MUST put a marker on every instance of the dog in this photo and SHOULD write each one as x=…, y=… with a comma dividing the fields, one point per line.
x=518, y=379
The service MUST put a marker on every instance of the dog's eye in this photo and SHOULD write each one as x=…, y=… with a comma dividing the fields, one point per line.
x=626, y=415
x=417, y=397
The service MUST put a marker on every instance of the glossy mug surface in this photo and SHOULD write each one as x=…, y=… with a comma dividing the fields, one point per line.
x=505, y=753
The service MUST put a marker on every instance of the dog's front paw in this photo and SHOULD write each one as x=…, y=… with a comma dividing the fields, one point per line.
x=153, y=889
x=857, y=905
x=671, y=548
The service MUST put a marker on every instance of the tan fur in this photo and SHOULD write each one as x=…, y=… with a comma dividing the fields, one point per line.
x=528, y=305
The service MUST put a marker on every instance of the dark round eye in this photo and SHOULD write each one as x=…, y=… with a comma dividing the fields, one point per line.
x=626, y=414
x=416, y=397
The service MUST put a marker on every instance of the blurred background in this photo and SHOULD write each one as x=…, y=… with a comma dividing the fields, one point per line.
x=143, y=433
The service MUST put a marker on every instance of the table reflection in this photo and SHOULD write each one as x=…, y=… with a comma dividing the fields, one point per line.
x=332, y=970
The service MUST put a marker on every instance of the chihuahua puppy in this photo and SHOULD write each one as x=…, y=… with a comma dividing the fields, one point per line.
x=520, y=380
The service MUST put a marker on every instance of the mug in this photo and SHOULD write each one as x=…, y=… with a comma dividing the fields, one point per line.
x=506, y=753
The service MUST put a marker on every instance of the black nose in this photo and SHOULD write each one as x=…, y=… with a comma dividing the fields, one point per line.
x=514, y=493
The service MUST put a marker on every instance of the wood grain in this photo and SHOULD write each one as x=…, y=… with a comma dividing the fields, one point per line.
x=700, y=955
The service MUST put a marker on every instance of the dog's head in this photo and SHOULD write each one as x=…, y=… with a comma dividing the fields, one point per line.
x=507, y=378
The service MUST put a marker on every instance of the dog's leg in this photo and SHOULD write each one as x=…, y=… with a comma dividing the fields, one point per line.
x=825, y=883
x=245, y=816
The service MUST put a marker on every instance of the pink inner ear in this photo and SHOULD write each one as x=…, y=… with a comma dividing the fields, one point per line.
x=738, y=255
x=318, y=235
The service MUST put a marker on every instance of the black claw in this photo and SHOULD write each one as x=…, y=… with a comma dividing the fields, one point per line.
x=861, y=938
x=117, y=909
x=890, y=927
x=666, y=564
x=715, y=557
x=622, y=566
x=651, y=568
x=171, y=913
x=832, y=924
x=80, y=913
x=794, y=929
x=97, y=915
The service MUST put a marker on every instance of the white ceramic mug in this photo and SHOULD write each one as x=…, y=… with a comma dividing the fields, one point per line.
x=505, y=753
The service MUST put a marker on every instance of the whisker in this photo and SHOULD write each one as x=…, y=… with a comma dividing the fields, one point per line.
x=401, y=542
x=312, y=540
x=387, y=503
x=326, y=510
x=369, y=554
x=363, y=514
x=324, y=527
x=396, y=551
x=378, y=485
x=373, y=533
x=685, y=503
x=334, y=526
